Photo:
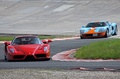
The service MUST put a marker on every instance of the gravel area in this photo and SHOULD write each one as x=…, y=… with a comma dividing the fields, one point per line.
x=56, y=74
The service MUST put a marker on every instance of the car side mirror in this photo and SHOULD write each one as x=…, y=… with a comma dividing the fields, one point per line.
x=46, y=41
x=83, y=26
x=7, y=43
x=49, y=41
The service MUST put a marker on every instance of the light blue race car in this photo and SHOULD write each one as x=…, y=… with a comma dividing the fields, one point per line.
x=98, y=29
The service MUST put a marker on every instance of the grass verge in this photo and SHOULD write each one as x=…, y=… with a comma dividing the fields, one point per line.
x=11, y=37
x=108, y=49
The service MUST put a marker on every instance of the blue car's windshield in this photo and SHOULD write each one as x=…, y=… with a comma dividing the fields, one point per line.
x=26, y=40
x=96, y=24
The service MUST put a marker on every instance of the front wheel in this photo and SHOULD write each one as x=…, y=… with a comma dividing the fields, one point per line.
x=5, y=57
x=107, y=33
x=81, y=37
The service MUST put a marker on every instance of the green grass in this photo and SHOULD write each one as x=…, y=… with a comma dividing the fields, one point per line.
x=108, y=49
x=6, y=38
x=11, y=37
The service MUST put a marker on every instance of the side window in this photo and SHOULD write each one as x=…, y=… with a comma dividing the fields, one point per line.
x=103, y=24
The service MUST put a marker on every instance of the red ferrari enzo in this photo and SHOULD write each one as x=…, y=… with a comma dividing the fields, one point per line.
x=27, y=48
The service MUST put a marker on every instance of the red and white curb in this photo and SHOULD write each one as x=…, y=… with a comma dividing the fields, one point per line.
x=64, y=56
x=68, y=56
x=55, y=39
x=2, y=41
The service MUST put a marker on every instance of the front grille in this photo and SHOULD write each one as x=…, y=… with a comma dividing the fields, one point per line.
x=18, y=56
x=89, y=35
x=29, y=57
x=40, y=55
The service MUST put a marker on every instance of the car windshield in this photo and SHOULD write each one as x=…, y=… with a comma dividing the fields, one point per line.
x=96, y=24
x=26, y=40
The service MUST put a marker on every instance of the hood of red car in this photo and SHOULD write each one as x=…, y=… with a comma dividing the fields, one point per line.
x=28, y=49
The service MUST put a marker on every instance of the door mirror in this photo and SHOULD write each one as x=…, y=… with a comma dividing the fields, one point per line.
x=83, y=26
x=7, y=43
x=46, y=41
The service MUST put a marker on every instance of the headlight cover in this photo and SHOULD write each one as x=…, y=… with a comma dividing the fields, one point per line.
x=102, y=30
x=45, y=49
x=12, y=50
x=82, y=31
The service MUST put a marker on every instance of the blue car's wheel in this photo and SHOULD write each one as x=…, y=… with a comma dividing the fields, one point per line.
x=107, y=33
x=116, y=31
x=81, y=37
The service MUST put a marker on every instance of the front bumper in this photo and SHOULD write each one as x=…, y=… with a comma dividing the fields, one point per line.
x=90, y=35
x=28, y=57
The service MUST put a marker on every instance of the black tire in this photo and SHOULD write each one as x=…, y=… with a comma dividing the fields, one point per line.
x=107, y=33
x=116, y=31
x=81, y=37
x=47, y=59
x=5, y=57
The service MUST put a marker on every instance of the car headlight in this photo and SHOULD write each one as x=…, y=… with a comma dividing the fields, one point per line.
x=102, y=30
x=45, y=49
x=12, y=50
x=82, y=31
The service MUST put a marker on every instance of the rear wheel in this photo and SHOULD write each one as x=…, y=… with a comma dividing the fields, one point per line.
x=116, y=31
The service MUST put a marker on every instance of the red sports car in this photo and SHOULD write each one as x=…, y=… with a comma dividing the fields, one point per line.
x=27, y=48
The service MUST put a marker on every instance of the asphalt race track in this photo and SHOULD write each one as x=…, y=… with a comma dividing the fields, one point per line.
x=56, y=17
